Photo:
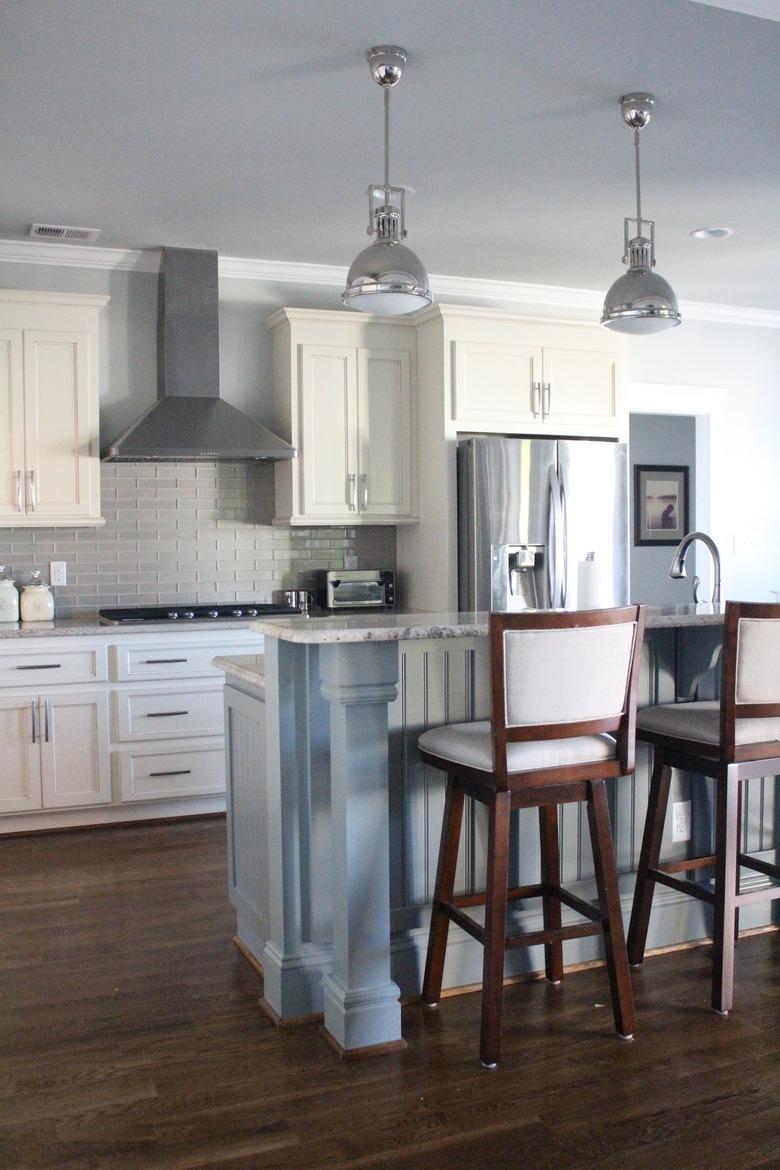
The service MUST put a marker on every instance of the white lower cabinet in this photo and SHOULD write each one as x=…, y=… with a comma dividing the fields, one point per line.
x=127, y=726
x=149, y=774
x=20, y=775
x=55, y=751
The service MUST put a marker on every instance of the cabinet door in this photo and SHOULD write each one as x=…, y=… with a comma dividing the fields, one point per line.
x=74, y=749
x=583, y=387
x=496, y=383
x=20, y=775
x=328, y=460
x=11, y=424
x=62, y=468
x=384, y=433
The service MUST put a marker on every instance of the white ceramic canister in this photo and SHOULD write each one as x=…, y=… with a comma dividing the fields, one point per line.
x=37, y=603
x=9, y=597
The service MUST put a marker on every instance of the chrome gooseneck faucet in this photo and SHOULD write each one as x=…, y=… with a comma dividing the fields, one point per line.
x=677, y=569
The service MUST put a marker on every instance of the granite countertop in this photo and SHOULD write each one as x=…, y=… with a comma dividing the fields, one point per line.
x=248, y=667
x=400, y=627
x=86, y=622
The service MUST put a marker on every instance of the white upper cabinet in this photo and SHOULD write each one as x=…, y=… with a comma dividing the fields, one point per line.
x=514, y=376
x=49, y=436
x=344, y=392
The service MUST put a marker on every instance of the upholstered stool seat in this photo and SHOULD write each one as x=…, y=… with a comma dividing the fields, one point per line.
x=563, y=709
x=700, y=723
x=731, y=740
x=471, y=744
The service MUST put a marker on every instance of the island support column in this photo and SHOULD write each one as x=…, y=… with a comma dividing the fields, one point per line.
x=361, y=1002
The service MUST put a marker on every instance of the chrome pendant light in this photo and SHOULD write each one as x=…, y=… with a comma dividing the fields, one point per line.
x=387, y=277
x=640, y=301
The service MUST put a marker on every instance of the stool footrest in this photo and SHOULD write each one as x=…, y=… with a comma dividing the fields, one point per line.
x=681, y=884
x=758, y=864
x=534, y=937
x=687, y=863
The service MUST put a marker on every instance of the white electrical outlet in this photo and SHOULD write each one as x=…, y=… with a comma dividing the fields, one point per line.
x=350, y=561
x=58, y=572
x=681, y=820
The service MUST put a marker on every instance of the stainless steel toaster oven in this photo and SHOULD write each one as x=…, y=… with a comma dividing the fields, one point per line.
x=359, y=589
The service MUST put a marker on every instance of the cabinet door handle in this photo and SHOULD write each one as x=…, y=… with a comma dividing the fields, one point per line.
x=47, y=713
x=33, y=492
x=34, y=721
x=179, y=772
x=41, y=666
x=19, y=492
x=161, y=661
x=164, y=714
x=546, y=399
x=364, y=490
x=351, y=489
x=536, y=388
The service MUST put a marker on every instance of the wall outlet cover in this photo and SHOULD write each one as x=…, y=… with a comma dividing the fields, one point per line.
x=681, y=820
x=58, y=573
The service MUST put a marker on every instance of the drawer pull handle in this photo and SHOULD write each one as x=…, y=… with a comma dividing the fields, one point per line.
x=42, y=666
x=164, y=714
x=180, y=772
x=162, y=661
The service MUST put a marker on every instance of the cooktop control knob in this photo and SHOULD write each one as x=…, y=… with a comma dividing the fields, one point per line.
x=213, y=613
x=251, y=613
x=237, y=612
x=188, y=613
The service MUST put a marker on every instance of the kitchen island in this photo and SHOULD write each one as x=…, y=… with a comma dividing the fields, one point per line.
x=335, y=821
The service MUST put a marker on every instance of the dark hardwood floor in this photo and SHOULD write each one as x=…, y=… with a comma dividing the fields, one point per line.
x=130, y=1039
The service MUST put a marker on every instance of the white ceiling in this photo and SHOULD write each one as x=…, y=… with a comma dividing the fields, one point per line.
x=253, y=127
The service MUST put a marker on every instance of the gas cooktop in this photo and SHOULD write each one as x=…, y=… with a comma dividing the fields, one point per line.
x=192, y=613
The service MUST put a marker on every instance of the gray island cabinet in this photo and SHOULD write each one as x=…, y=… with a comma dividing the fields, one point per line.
x=334, y=821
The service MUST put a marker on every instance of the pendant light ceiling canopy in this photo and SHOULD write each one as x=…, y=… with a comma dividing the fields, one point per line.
x=387, y=277
x=640, y=301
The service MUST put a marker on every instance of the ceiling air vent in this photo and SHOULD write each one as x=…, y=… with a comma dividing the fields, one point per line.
x=56, y=231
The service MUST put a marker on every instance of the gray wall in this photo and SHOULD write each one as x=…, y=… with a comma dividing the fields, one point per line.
x=662, y=439
x=180, y=532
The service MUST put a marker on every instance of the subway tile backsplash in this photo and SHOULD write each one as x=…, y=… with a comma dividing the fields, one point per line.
x=197, y=532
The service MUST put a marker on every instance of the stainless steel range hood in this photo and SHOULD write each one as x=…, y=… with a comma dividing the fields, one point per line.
x=190, y=421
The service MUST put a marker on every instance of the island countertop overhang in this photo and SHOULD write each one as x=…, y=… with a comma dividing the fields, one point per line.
x=400, y=627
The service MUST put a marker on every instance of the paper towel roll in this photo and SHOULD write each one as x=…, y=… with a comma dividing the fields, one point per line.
x=593, y=590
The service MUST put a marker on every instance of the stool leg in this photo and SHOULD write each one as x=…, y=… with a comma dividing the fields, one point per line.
x=495, y=928
x=739, y=846
x=445, y=881
x=726, y=876
x=551, y=876
x=609, y=899
x=648, y=858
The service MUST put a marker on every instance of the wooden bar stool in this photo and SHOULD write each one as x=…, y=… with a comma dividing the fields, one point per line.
x=731, y=741
x=561, y=682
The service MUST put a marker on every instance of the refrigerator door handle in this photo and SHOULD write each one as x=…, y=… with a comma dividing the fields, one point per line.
x=564, y=537
x=555, y=544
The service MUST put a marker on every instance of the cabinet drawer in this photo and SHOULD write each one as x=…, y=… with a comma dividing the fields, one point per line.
x=46, y=668
x=185, y=659
x=167, y=714
x=148, y=775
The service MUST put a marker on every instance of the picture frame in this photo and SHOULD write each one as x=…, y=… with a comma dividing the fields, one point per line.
x=660, y=504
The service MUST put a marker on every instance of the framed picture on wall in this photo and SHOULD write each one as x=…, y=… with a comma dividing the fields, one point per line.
x=660, y=504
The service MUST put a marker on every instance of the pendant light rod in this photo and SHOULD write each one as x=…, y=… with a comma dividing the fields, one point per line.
x=638, y=184
x=387, y=143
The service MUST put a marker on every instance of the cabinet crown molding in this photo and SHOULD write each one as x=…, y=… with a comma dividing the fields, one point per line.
x=71, y=300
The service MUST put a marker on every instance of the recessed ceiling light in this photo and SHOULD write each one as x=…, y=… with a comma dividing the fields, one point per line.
x=716, y=233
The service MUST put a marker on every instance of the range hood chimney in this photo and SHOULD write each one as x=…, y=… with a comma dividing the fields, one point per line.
x=190, y=421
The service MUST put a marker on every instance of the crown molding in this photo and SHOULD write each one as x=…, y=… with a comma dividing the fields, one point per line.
x=77, y=256
x=334, y=276
x=764, y=9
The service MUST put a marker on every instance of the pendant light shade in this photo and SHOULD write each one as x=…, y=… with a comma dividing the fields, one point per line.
x=387, y=277
x=640, y=301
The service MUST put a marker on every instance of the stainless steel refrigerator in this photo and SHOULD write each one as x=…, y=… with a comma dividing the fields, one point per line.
x=540, y=520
